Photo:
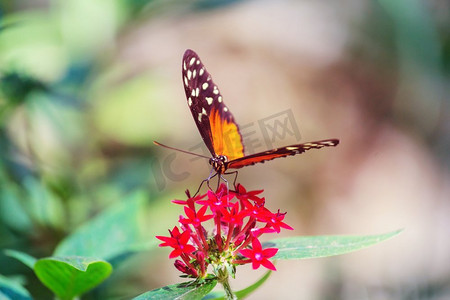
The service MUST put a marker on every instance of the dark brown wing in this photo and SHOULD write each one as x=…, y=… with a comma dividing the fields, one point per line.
x=279, y=152
x=213, y=119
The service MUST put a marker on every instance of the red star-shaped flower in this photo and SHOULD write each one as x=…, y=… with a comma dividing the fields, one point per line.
x=242, y=194
x=178, y=241
x=233, y=216
x=260, y=256
x=195, y=218
x=214, y=202
x=190, y=201
x=256, y=211
x=276, y=221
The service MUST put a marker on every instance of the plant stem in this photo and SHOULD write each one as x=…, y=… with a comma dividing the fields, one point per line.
x=223, y=279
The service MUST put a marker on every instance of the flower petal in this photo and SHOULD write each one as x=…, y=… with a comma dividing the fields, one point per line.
x=268, y=264
x=269, y=252
x=255, y=264
x=256, y=245
x=175, y=253
x=246, y=252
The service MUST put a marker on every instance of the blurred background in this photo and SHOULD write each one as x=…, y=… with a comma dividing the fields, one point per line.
x=87, y=85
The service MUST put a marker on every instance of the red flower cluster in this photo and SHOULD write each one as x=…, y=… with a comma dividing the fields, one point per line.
x=239, y=217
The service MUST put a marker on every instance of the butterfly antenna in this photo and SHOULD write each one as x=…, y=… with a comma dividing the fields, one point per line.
x=179, y=150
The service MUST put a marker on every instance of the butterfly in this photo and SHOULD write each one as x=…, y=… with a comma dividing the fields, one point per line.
x=217, y=126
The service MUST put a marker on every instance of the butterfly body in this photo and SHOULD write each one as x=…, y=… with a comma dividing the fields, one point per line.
x=217, y=126
x=219, y=163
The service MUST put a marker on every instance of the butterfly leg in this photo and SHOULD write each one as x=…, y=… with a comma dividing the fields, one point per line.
x=207, y=182
x=226, y=181
x=198, y=190
x=235, y=177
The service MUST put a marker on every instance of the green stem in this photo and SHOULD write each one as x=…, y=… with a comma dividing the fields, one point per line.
x=223, y=279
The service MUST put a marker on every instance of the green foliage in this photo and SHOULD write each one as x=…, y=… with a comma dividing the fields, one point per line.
x=44, y=207
x=113, y=235
x=24, y=258
x=10, y=289
x=248, y=290
x=12, y=211
x=71, y=276
x=242, y=293
x=66, y=276
x=182, y=291
x=116, y=232
x=16, y=87
x=303, y=247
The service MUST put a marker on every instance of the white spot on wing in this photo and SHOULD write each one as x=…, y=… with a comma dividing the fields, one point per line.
x=225, y=109
x=185, y=81
x=198, y=61
x=203, y=111
x=291, y=148
x=209, y=100
x=199, y=117
x=189, y=101
x=216, y=90
x=184, y=65
x=189, y=74
x=194, y=73
x=202, y=70
x=205, y=85
x=191, y=62
x=219, y=99
x=197, y=91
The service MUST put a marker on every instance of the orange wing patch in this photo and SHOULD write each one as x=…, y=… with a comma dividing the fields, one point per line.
x=226, y=137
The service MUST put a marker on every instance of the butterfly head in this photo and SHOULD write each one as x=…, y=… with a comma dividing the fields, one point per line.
x=219, y=163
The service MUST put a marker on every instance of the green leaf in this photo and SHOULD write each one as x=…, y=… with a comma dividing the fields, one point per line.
x=116, y=232
x=12, y=211
x=24, y=258
x=219, y=295
x=43, y=205
x=322, y=246
x=9, y=289
x=68, y=277
x=186, y=291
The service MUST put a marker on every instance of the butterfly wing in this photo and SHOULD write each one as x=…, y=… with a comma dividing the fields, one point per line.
x=213, y=119
x=279, y=152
